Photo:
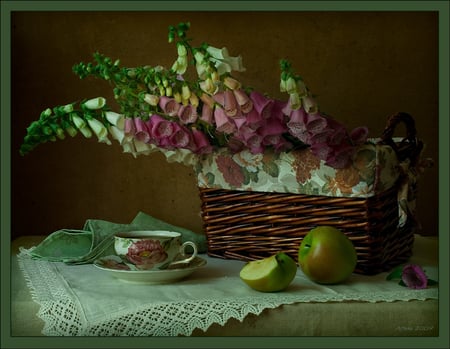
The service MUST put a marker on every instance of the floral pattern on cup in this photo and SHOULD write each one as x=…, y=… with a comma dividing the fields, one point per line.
x=144, y=254
x=112, y=263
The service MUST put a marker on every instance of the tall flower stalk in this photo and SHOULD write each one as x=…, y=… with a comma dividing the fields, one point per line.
x=164, y=109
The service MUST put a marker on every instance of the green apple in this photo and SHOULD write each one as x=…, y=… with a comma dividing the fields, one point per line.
x=271, y=274
x=326, y=255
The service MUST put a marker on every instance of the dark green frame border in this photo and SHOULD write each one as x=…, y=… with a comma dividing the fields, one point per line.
x=442, y=7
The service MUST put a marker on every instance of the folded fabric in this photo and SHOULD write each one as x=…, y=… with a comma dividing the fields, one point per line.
x=96, y=239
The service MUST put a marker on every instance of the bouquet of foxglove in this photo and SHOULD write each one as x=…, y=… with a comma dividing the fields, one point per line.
x=187, y=113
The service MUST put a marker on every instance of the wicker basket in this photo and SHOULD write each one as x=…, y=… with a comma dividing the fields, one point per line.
x=249, y=225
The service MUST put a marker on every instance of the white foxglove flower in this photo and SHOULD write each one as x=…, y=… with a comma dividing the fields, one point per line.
x=78, y=122
x=177, y=97
x=185, y=93
x=71, y=131
x=199, y=57
x=202, y=70
x=223, y=62
x=153, y=100
x=86, y=131
x=181, y=50
x=221, y=66
x=310, y=105
x=128, y=147
x=193, y=100
x=218, y=53
x=95, y=103
x=209, y=87
x=68, y=108
x=183, y=156
x=116, y=119
x=142, y=148
x=295, y=101
x=100, y=130
x=117, y=133
x=282, y=85
x=291, y=85
x=182, y=64
x=301, y=88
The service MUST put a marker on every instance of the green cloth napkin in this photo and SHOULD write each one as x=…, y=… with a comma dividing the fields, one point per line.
x=96, y=239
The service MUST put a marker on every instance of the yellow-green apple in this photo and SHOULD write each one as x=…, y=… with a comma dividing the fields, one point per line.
x=326, y=255
x=271, y=274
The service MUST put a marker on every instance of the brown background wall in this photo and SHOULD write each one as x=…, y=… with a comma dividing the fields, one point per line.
x=364, y=66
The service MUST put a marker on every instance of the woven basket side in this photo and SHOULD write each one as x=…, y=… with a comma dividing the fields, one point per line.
x=249, y=225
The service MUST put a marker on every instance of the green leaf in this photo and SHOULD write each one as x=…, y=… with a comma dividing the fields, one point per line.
x=395, y=274
x=210, y=178
x=432, y=282
x=271, y=168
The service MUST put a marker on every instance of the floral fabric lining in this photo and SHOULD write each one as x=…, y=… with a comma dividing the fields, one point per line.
x=374, y=169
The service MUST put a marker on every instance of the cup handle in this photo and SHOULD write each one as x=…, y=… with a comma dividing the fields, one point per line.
x=183, y=253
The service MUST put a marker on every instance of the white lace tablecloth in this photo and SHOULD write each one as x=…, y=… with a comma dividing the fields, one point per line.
x=83, y=300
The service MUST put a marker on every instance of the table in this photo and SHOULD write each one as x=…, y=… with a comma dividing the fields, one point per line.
x=305, y=309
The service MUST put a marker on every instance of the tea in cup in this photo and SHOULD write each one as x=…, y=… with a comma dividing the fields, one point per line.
x=153, y=249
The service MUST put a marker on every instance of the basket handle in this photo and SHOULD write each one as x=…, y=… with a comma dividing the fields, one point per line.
x=409, y=147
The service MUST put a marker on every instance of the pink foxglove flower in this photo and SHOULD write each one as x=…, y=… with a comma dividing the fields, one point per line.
x=223, y=122
x=341, y=157
x=235, y=144
x=207, y=99
x=322, y=150
x=244, y=101
x=359, y=135
x=253, y=119
x=230, y=104
x=169, y=105
x=262, y=104
x=253, y=141
x=129, y=128
x=414, y=277
x=231, y=83
x=315, y=123
x=161, y=128
x=207, y=114
x=272, y=127
x=202, y=144
x=297, y=125
x=240, y=122
x=187, y=114
x=180, y=137
x=142, y=133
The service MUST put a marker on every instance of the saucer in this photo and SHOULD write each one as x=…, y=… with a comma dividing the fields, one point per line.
x=114, y=266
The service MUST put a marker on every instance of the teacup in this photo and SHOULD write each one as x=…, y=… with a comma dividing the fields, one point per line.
x=153, y=249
